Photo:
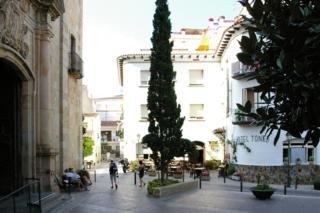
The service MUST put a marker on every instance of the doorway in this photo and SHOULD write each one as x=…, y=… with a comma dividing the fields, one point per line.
x=200, y=148
x=10, y=128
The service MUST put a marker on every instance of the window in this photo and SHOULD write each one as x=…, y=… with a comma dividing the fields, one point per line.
x=248, y=94
x=144, y=77
x=144, y=112
x=73, y=44
x=196, y=77
x=297, y=151
x=285, y=154
x=310, y=154
x=109, y=135
x=196, y=111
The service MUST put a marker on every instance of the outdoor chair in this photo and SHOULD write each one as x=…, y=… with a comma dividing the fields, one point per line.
x=205, y=175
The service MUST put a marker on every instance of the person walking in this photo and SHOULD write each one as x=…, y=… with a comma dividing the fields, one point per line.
x=141, y=173
x=113, y=170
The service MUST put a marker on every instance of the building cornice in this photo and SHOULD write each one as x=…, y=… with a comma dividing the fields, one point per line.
x=116, y=97
x=55, y=7
x=227, y=35
x=175, y=56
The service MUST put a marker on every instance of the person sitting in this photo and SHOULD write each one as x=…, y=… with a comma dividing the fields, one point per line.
x=69, y=173
x=73, y=177
x=85, y=179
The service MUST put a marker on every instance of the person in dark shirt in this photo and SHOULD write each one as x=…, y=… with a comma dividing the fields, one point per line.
x=141, y=173
x=113, y=170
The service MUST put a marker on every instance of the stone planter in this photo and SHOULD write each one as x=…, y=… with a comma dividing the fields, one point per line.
x=262, y=194
x=174, y=188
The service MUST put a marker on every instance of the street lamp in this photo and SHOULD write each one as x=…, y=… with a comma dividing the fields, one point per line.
x=289, y=159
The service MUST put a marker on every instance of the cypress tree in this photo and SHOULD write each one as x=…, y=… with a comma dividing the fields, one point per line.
x=165, y=123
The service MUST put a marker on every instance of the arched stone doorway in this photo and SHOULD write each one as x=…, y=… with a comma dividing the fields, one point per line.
x=200, y=147
x=10, y=127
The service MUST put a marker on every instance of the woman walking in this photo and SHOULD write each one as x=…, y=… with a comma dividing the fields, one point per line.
x=141, y=173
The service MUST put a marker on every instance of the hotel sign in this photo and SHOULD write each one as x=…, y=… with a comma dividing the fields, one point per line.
x=251, y=138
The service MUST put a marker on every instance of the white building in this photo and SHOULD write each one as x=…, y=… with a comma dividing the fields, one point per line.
x=199, y=86
x=91, y=124
x=264, y=158
x=110, y=110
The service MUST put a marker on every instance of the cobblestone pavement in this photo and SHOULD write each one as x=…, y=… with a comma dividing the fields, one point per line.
x=214, y=196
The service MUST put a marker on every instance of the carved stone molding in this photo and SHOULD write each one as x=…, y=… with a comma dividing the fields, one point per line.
x=12, y=27
x=55, y=7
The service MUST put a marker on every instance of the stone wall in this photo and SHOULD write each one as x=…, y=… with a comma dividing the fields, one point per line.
x=35, y=38
x=278, y=174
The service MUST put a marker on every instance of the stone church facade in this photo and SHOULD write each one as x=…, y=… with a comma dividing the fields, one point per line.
x=40, y=86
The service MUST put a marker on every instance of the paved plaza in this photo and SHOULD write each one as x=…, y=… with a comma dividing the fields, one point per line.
x=214, y=196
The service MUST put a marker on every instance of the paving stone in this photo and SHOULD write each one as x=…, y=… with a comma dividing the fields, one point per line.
x=215, y=196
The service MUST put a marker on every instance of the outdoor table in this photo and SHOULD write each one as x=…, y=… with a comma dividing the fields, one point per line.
x=173, y=169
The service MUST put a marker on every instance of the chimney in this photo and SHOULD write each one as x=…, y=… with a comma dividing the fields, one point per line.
x=221, y=19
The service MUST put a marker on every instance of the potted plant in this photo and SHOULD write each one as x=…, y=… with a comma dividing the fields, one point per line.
x=316, y=183
x=262, y=191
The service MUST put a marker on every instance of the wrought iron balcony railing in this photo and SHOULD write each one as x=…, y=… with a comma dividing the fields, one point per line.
x=240, y=71
x=75, y=66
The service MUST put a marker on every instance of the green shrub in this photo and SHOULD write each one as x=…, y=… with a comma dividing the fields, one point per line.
x=316, y=183
x=231, y=169
x=133, y=165
x=157, y=183
x=212, y=164
x=263, y=187
x=87, y=144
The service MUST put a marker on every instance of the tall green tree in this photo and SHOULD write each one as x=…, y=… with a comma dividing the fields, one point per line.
x=88, y=144
x=282, y=48
x=165, y=123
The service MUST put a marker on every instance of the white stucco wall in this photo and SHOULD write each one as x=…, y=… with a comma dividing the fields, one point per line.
x=263, y=151
x=93, y=131
x=211, y=94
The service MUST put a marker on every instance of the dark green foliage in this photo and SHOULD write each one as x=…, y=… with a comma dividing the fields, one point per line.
x=316, y=183
x=87, y=146
x=119, y=133
x=282, y=48
x=157, y=183
x=165, y=123
x=263, y=187
x=231, y=169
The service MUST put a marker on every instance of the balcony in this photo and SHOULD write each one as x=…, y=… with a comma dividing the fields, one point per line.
x=240, y=71
x=75, y=66
x=238, y=119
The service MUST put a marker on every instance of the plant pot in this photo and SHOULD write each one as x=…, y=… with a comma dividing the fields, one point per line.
x=262, y=194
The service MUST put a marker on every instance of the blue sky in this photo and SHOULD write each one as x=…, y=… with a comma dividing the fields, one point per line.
x=115, y=27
